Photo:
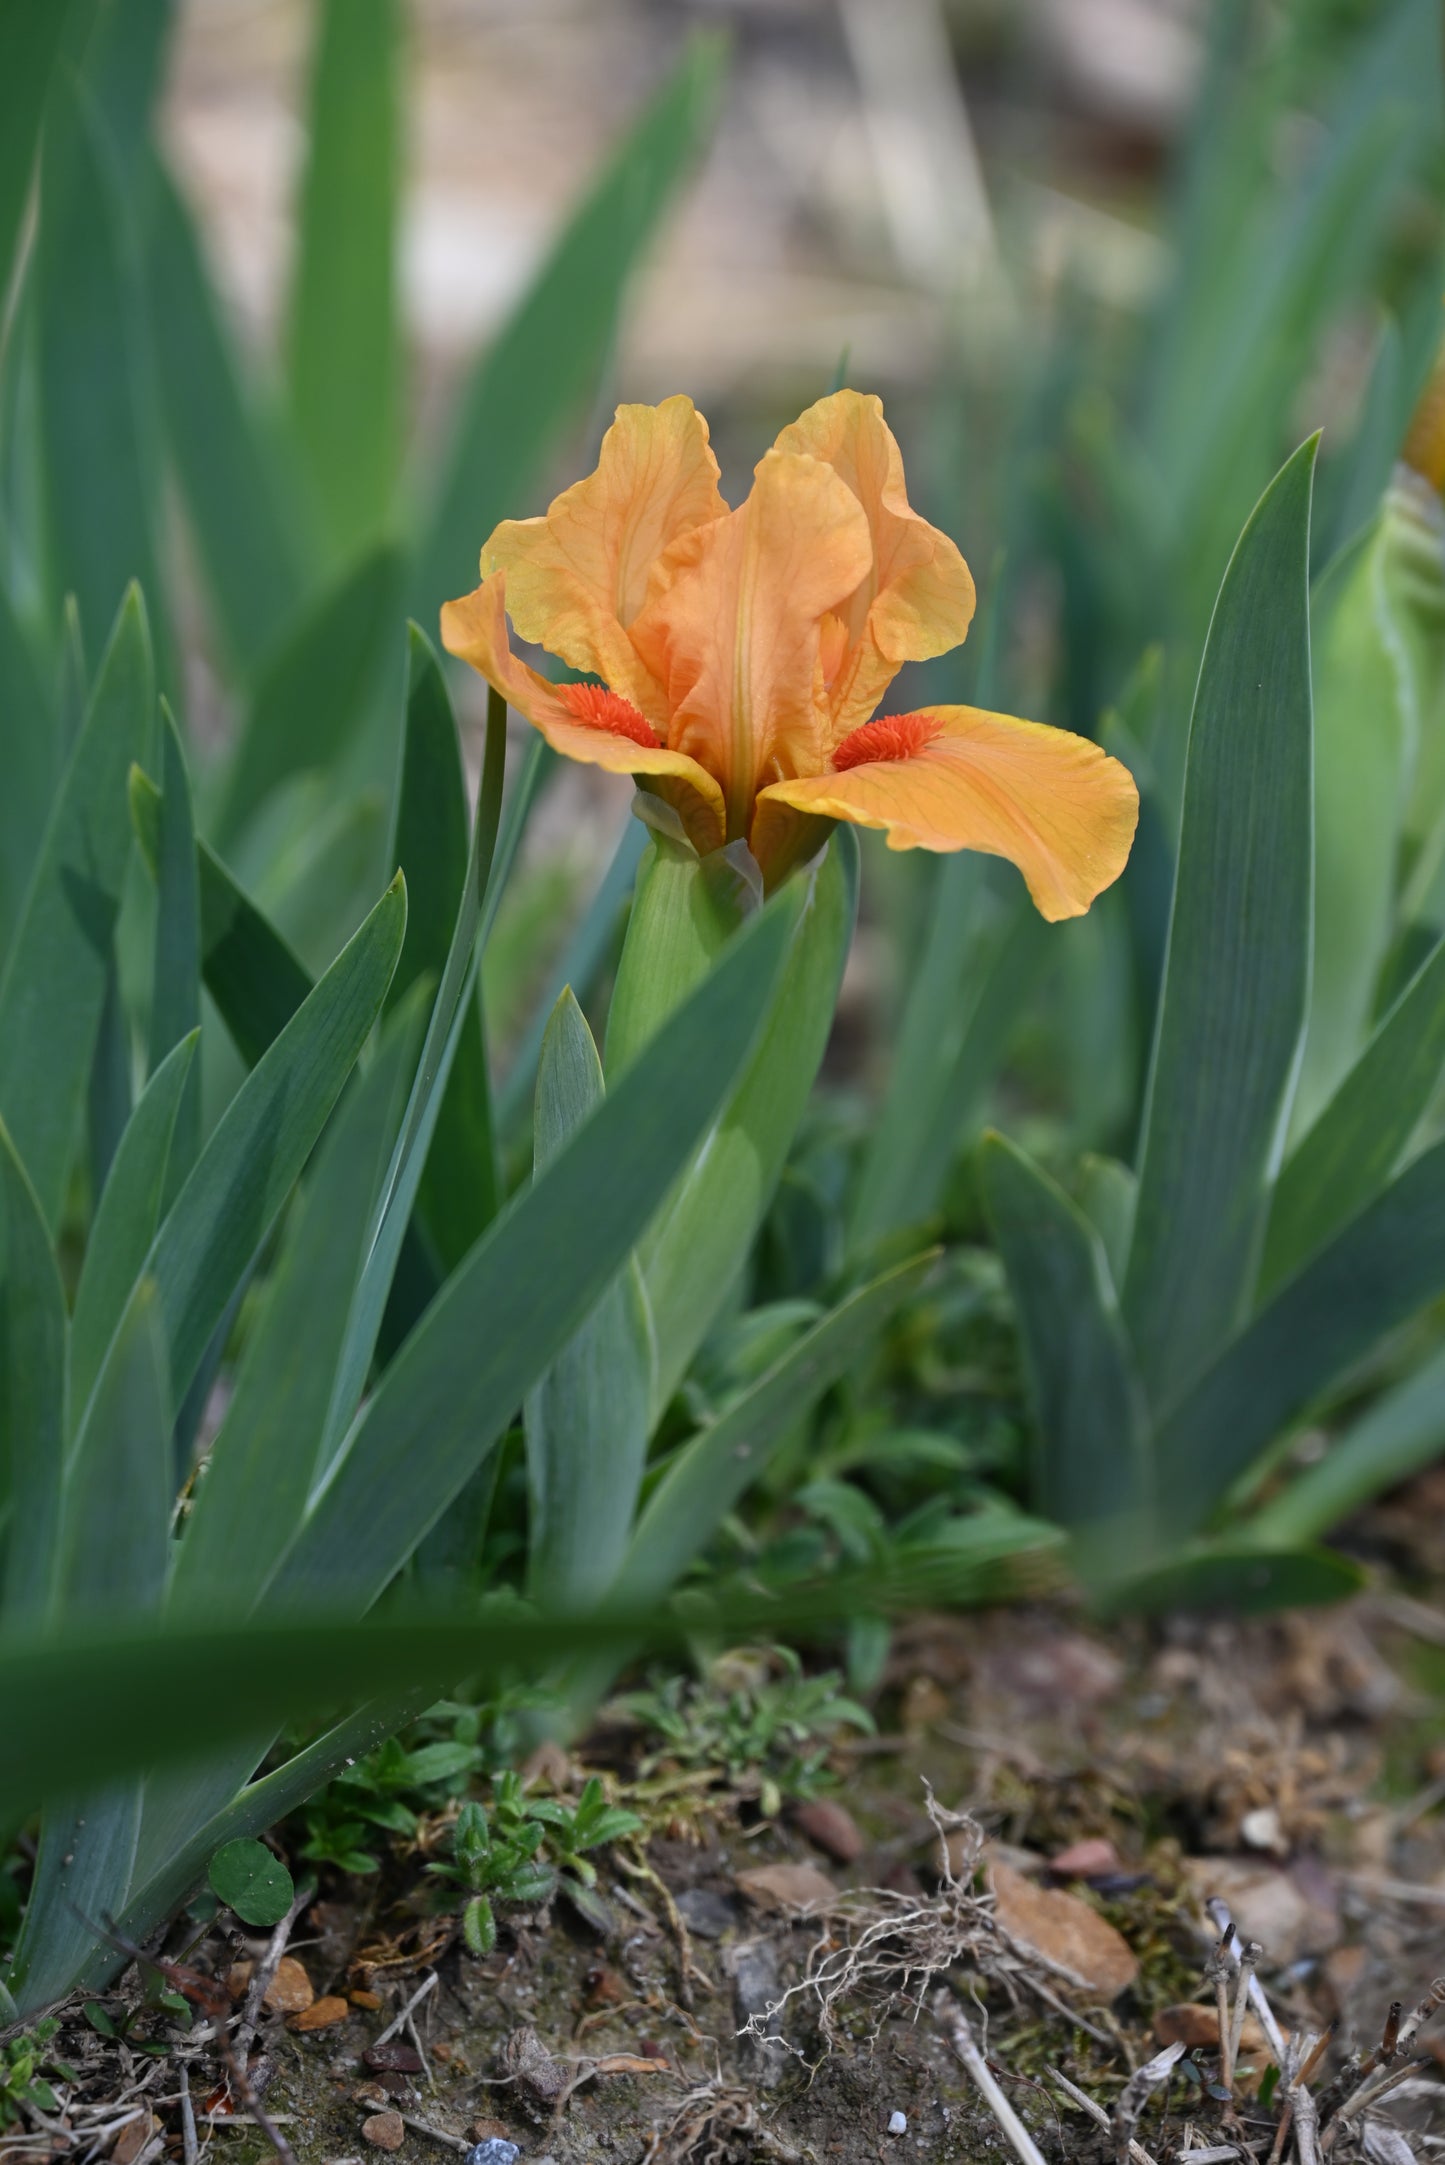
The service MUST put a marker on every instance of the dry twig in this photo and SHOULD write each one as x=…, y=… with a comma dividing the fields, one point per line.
x=960, y=2036
x=1138, y=2155
x=265, y=1971
x=1136, y=2094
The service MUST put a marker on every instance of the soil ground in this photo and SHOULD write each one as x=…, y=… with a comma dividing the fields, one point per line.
x=1292, y=1765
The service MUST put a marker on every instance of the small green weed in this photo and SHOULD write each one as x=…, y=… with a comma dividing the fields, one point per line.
x=25, y=2063
x=526, y=1850
x=754, y=1717
x=390, y=1790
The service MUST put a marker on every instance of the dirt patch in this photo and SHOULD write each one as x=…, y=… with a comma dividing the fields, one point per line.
x=739, y=1988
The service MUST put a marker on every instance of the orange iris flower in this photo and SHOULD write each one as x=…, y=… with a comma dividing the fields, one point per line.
x=742, y=654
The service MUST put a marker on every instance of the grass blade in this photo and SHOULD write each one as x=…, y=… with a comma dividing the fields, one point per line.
x=545, y=365
x=1401, y=1434
x=225, y=462
x=697, y=1244
x=126, y=1217
x=1360, y=1137
x=116, y=1502
x=111, y=1561
x=1236, y=976
x=264, y=1458
x=588, y=1417
x=176, y=977
x=32, y=767
x=100, y=1695
x=96, y=436
x=253, y=976
x=1374, y=1275
x=312, y=695
x=66, y=933
x=1092, y=1469
x=1243, y=1580
x=343, y=351
x=392, y=1214
x=32, y=1391
x=582, y=961
x=459, y=1188
x=31, y=42
x=963, y=1007
x=262, y=1140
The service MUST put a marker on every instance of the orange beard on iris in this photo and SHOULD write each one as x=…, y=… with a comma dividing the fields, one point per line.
x=737, y=657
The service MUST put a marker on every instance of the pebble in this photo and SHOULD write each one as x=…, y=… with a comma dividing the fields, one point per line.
x=788, y=1887
x=898, y=2123
x=493, y=2152
x=1094, y=1858
x=321, y=2014
x=290, y=1991
x=707, y=1914
x=1069, y=1935
x=832, y=1828
x=385, y=2130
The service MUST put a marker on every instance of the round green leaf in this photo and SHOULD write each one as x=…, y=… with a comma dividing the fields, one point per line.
x=249, y=1880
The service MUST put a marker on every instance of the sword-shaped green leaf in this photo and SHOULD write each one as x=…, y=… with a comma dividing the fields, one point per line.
x=126, y=1218
x=343, y=346
x=54, y=986
x=1375, y=1273
x=225, y=460
x=1093, y=1471
x=589, y=1416
x=1363, y=1132
x=1236, y=975
x=32, y=1393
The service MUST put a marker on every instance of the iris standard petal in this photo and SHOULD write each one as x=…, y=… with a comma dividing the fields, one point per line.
x=475, y=630
x=577, y=577
x=732, y=628
x=918, y=597
x=1054, y=804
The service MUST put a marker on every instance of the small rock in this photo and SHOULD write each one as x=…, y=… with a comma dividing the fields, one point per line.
x=385, y=2130
x=832, y=1828
x=370, y=2000
x=290, y=1991
x=706, y=1914
x=1198, y=2027
x=1064, y=1930
x=1266, y=1905
x=525, y=2058
x=1261, y=1829
x=788, y=1886
x=898, y=2123
x=320, y=2015
x=496, y=2150
x=394, y=2058
x=1095, y=1858
x=480, y=2130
